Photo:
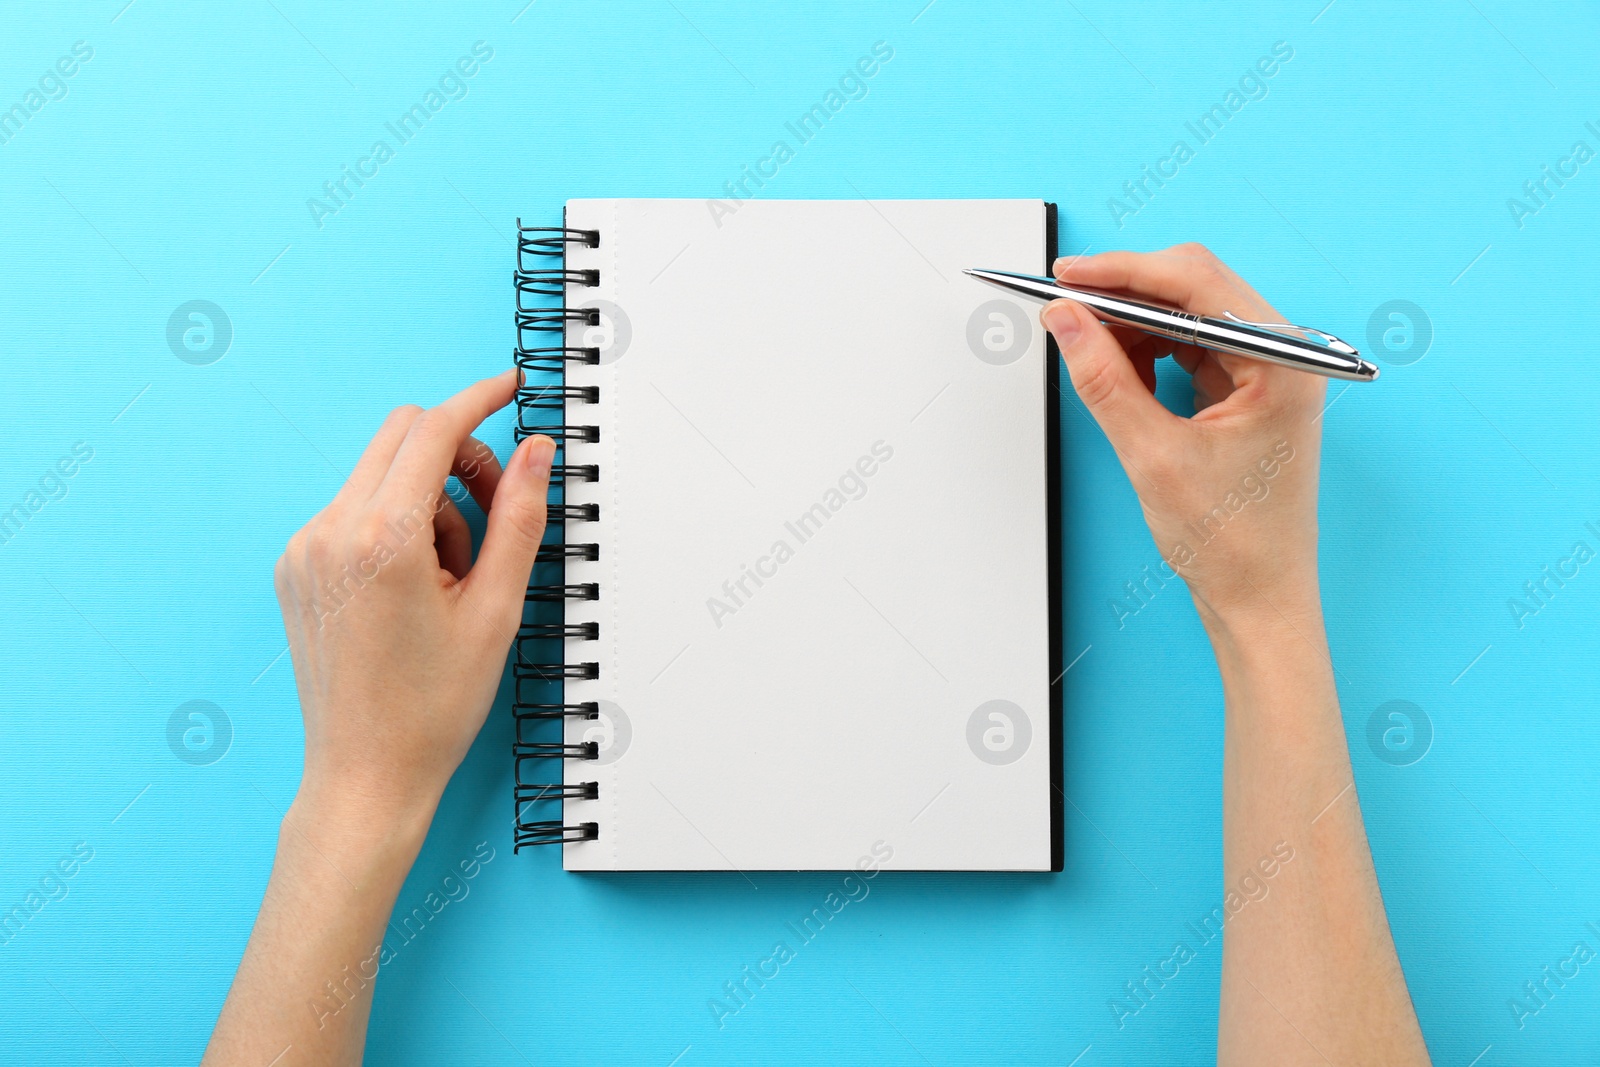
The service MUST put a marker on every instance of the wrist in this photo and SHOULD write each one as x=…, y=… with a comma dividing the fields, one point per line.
x=371, y=793
x=1278, y=686
x=1258, y=609
x=1265, y=633
x=365, y=836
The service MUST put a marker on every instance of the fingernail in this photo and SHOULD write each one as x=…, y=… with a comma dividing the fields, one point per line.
x=1064, y=264
x=1061, y=319
x=538, y=453
x=522, y=377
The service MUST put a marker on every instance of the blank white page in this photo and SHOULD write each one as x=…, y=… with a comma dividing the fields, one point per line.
x=822, y=537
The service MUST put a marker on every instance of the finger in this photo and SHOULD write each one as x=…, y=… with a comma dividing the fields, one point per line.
x=429, y=449
x=452, y=538
x=1142, y=345
x=1106, y=380
x=1212, y=382
x=1143, y=350
x=1189, y=276
x=479, y=471
x=1137, y=341
x=1131, y=339
x=1189, y=356
x=516, y=526
x=1144, y=363
x=374, y=462
x=1189, y=361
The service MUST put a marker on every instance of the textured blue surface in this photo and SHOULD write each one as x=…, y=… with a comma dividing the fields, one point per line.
x=1376, y=167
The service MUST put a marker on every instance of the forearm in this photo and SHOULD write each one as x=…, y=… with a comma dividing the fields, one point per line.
x=396, y=675
x=309, y=970
x=1309, y=969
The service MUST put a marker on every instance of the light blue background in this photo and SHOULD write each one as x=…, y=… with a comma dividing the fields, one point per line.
x=1377, y=168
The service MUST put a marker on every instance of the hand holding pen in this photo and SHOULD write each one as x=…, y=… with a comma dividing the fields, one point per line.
x=1230, y=494
x=1231, y=497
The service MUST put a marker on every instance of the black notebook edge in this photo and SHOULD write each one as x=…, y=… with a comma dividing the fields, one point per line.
x=1052, y=445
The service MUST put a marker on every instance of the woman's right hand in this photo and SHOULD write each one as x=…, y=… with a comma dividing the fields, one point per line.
x=1230, y=494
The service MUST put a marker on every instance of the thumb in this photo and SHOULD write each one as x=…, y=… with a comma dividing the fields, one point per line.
x=515, y=528
x=1105, y=378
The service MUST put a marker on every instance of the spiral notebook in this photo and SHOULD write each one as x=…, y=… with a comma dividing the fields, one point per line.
x=798, y=606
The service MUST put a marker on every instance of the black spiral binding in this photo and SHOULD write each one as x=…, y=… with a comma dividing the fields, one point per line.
x=543, y=403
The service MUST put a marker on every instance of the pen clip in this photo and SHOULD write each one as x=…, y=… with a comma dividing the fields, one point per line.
x=1288, y=327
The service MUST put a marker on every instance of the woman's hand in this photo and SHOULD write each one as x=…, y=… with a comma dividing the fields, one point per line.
x=1231, y=497
x=1230, y=494
x=398, y=641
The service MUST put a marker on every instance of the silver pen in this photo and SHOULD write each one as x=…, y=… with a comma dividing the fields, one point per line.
x=1297, y=347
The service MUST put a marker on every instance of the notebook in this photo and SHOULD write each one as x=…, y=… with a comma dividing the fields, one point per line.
x=798, y=605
